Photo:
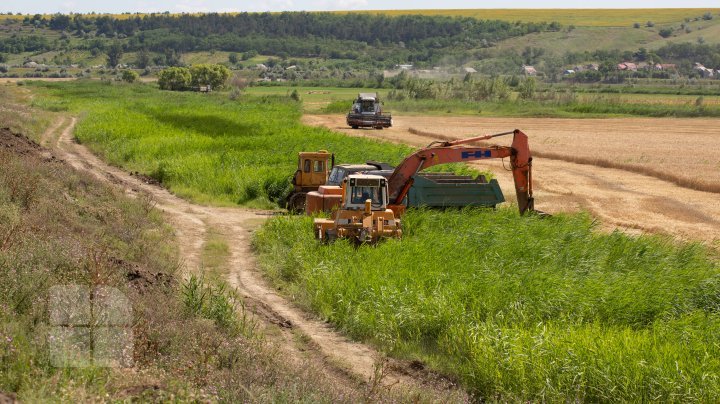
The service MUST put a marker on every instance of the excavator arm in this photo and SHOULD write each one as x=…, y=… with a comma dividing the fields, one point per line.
x=458, y=151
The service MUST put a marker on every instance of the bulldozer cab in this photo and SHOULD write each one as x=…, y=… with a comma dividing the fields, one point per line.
x=313, y=168
x=359, y=188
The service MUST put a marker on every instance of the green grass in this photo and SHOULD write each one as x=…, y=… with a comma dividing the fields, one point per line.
x=518, y=308
x=330, y=100
x=205, y=148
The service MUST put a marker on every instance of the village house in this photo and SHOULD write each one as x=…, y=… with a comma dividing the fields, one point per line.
x=704, y=71
x=529, y=70
x=627, y=66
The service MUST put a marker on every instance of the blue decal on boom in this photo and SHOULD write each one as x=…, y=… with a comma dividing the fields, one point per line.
x=476, y=154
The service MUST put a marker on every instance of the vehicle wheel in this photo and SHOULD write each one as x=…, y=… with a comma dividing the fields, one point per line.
x=330, y=236
x=296, y=204
x=379, y=128
x=354, y=126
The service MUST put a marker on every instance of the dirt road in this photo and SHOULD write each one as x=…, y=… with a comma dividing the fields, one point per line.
x=306, y=341
x=634, y=174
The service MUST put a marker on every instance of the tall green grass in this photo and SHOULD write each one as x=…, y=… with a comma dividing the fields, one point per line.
x=519, y=308
x=204, y=147
x=207, y=148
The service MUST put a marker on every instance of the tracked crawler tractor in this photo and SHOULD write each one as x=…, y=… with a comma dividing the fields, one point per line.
x=363, y=215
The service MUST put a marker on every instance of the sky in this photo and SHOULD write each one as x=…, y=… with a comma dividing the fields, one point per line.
x=192, y=6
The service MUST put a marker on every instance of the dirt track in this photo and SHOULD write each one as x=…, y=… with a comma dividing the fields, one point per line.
x=303, y=340
x=635, y=196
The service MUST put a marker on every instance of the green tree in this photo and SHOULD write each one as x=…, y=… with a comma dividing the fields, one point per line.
x=175, y=78
x=114, y=53
x=249, y=54
x=129, y=76
x=233, y=58
x=143, y=59
x=214, y=76
x=526, y=88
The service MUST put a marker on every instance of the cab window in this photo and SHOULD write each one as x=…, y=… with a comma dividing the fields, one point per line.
x=336, y=176
x=361, y=194
x=319, y=166
x=306, y=166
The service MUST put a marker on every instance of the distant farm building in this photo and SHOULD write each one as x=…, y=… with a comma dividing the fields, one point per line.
x=704, y=71
x=529, y=70
x=627, y=66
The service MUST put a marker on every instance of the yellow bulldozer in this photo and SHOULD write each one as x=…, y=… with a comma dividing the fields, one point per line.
x=363, y=215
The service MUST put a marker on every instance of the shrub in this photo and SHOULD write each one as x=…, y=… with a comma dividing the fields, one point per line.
x=175, y=79
x=129, y=76
x=666, y=32
x=214, y=76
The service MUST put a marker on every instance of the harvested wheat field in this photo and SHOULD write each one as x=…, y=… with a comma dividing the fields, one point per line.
x=647, y=174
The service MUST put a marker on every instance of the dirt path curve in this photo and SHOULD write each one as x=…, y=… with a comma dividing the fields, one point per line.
x=619, y=198
x=340, y=359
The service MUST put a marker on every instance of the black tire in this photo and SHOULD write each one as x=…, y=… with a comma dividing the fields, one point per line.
x=354, y=126
x=296, y=203
x=330, y=236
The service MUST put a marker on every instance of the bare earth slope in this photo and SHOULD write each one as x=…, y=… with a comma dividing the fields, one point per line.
x=642, y=174
x=305, y=341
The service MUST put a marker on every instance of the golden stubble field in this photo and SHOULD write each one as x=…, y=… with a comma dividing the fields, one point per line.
x=647, y=174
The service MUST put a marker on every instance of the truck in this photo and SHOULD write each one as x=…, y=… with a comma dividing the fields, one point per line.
x=366, y=112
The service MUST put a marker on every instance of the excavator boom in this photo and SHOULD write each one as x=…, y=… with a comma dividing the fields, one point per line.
x=457, y=151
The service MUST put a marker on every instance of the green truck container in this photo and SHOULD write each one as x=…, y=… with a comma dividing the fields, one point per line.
x=450, y=190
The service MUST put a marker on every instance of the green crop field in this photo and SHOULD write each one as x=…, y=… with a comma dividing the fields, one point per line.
x=518, y=308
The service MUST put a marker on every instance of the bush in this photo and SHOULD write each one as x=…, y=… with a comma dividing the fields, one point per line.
x=214, y=76
x=666, y=32
x=129, y=76
x=175, y=79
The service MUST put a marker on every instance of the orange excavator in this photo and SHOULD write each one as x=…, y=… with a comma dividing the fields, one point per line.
x=455, y=151
x=367, y=218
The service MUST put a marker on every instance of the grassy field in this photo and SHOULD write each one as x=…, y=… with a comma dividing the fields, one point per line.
x=207, y=148
x=585, y=105
x=518, y=308
x=191, y=341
